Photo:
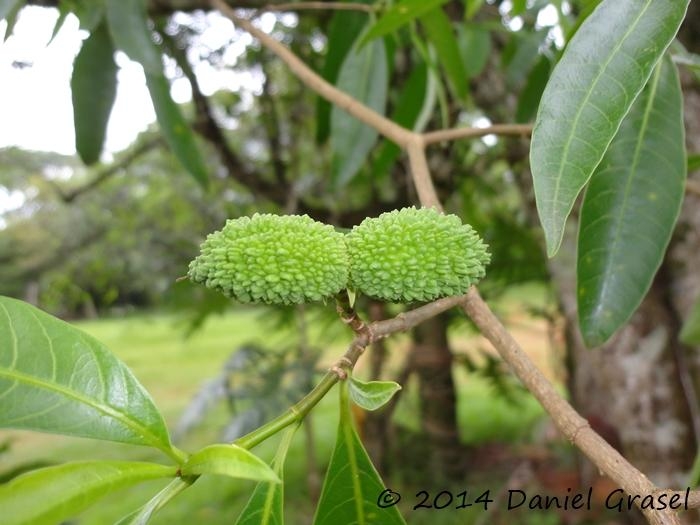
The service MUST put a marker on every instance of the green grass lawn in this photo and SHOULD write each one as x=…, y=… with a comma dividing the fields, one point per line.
x=173, y=367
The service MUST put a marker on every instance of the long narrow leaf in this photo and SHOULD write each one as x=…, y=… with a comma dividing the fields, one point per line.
x=441, y=34
x=55, y=378
x=603, y=69
x=50, y=495
x=128, y=23
x=93, y=88
x=399, y=14
x=631, y=207
x=228, y=460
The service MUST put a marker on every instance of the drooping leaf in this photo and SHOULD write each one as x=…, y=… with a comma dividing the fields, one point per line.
x=399, y=14
x=143, y=515
x=414, y=100
x=128, y=23
x=529, y=98
x=93, y=88
x=630, y=208
x=265, y=506
x=475, y=47
x=176, y=129
x=228, y=460
x=690, y=334
x=62, y=15
x=50, y=495
x=364, y=76
x=372, y=395
x=9, y=11
x=441, y=34
x=352, y=485
x=343, y=30
x=55, y=378
x=603, y=69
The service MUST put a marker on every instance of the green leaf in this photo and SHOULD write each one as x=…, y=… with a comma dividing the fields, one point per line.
x=143, y=515
x=94, y=88
x=128, y=23
x=62, y=15
x=9, y=11
x=176, y=129
x=364, y=76
x=352, y=485
x=399, y=14
x=529, y=98
x=414, y=100
x=265, y=506
x=228, y=460
x=50, y=495
x=603, y=69
x=475, y=47
x=372, y=395
x=690, y=334
x=693, y=162
x=472, y=8
x=441, y=34
x=55, y=378
x=343, y=30
x=630, y=208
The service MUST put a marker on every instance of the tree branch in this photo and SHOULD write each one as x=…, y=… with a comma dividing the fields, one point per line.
x=522, y=130
x=337, y=6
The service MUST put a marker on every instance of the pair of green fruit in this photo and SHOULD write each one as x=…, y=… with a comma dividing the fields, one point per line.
x=401, y=256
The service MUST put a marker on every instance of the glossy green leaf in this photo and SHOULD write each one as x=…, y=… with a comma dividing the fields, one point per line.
x=690, y=334
x=529, y=98
x=364, y=76
x=343, y=30
x=604, y=67
x=50, y=495
x=630, y=208
x=143, y=515
x=441, y=35
x=176, y=129
x=352, y=486
x=266, y=505
x=416, y=99
x=55, y=378
x=94, y=88
x=475, y=47
x=372, y=395
x=400, y=14
x=228, y=460
x=128, y=23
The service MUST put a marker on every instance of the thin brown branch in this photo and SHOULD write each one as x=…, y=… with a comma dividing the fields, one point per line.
x=522, y=130
x=421, y=173
x=383, y=125
x=327, y=6
x=114, y=168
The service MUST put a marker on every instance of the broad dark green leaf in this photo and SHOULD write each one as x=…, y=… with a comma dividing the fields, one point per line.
x=94, y=88
x=343, y=30
x=89, y=12
x=414, y=101
x=128, y=23
x=228, y=460
x=352, y=485
x=529, y=98
x=364, y=76
x=372, y=395
x=475, y=47
x=441, y=35
x=50, y=495
x=55, y=378
x=265, y=506
x=604, y=67
x=399, y=14
x=143, y=515
x=176, y=129
x=690, y=334
x=630, y=208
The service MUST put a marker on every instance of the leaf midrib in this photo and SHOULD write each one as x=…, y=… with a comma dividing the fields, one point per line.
x=577, y=117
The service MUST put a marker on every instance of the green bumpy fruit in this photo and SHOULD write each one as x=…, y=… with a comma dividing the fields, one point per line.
x=415, y=255
x=273, y=259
